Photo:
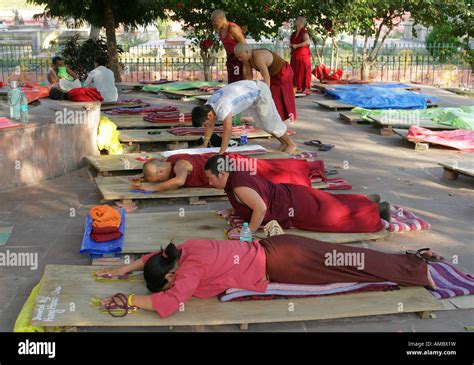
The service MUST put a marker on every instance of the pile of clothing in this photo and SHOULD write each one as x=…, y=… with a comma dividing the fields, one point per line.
x=105, y=223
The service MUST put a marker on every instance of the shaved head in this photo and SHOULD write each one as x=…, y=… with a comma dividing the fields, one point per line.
x=240, y=48
x=301, y=20
x=218, y=14
x=152, y=169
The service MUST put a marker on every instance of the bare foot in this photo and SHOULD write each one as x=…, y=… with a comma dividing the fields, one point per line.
x=290, y=148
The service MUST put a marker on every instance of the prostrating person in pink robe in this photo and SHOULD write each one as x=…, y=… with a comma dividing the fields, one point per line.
x=205, y=268
x=276, y=73
x=258, y=201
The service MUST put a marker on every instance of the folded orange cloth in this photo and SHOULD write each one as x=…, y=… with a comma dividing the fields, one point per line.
x=105, y=216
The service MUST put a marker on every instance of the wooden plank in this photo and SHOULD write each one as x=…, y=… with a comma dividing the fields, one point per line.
x=419, y=145
x=62, y=285
x=454, y=168
x=118, y=188
x=185, y=93
x=128, y=162
x=142, y=136
x=405, y=124
x=148, y=232
x=111, y=106
x=352, y=118
x=334, y=104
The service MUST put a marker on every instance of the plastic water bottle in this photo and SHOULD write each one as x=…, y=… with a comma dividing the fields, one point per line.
x=246, y=233
x=243, y=135
x=24, y=116
x=14, y=101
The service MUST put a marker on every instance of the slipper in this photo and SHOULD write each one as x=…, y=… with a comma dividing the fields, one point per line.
x=426, y=254
x=331, y=172
x=154, y=132
x=321, y=146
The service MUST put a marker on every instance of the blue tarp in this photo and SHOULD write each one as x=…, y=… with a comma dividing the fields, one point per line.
x=101, y=248
x=376, y=97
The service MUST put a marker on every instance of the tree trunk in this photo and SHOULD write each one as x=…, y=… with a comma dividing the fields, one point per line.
x=94, y=33
x=206, y=60
x=354, y=45
x=109, y=21
x=365, y=70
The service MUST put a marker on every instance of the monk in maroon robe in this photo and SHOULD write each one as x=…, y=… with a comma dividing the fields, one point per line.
x=301, y=56
x=276, y=73
x=229, y=34
x=258, y=201
x=185, y=170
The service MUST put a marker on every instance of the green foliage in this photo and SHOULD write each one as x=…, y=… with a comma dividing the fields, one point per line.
x=80, y=56
x=437, y=39
x=131, y=13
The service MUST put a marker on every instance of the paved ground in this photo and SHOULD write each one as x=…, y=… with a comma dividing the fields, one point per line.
x=389, y=166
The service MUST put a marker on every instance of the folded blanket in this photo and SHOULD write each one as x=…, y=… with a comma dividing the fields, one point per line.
x=105, y=237
x=403, y=220
x=173, y=117
x=460, y=139
x=278, y=290
x=198, y=131
x=249, y=149
x=450, y=282
x=147, y=110
x=105, y=216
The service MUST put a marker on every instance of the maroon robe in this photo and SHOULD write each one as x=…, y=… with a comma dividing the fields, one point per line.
x=281, y=86
x=301, y=62
x=306, y=208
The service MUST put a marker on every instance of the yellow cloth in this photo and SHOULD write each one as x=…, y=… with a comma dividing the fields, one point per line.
x=105, y=216
x=108, y=137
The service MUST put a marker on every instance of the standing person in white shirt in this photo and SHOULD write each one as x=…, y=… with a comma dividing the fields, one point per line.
x=233, y=99
x=103, y=80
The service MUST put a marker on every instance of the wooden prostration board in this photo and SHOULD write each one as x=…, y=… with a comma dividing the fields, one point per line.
x=454, y=168
x=142, y=136
x=128, y=162
x=148, y=232
x=62, y=285
x=118, y=188
x=402, y=124
x=333, y=104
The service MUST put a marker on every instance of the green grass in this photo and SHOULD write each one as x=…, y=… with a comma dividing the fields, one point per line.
x=17, y=4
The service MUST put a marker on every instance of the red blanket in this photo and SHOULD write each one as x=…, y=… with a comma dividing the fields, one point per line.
x=84, y=94
x=460, y=139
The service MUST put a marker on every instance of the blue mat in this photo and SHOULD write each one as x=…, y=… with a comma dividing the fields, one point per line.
x=94, y=248
x=375, y=97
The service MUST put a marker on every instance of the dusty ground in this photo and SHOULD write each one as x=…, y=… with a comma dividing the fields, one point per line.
x=376, y=164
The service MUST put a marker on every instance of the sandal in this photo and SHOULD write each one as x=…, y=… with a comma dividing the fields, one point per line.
x=321, y=146
x=426, y=254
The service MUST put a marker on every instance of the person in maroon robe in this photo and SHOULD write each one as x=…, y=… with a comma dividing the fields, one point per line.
x=301, y=56
x=276, y=73
x=184, y=170
x=230, y=34
x=258, y=201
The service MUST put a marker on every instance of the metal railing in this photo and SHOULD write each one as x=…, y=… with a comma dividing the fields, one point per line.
x=440, y=65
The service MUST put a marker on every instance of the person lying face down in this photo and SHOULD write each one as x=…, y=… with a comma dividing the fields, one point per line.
x=206, y=268
x=185, y=170
x=258, y=201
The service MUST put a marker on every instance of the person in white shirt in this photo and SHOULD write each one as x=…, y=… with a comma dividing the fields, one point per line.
x=252, y=96
x=103, y=80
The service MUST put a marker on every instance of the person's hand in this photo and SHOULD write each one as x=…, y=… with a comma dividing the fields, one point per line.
x=204, y=145
x=113, y=305
x=112, y=271
x=137, y=185
x=233, y=232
